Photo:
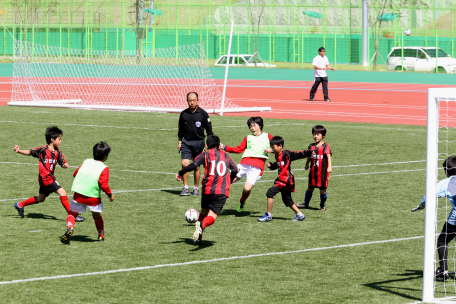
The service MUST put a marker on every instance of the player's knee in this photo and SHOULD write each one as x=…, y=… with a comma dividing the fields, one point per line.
x=62, y=192
x=185, y=163
x=96, y=215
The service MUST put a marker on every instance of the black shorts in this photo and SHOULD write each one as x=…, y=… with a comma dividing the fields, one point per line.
x=50, y=188
x=214, y=202
x=286, y=195
x=192, y=148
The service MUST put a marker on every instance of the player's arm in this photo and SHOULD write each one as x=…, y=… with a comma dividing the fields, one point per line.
x=295, y=155
x=18, y=150
x=180, y=132
x=76, y=172
x=239, y=149
x=234, y=169
x=207, y=124
x=328, y=67
x=103, y=181
x=62, y=161
x=272, y=166
x=306, y=167
x=442, y=187
x=198, y=162
x=329, y=163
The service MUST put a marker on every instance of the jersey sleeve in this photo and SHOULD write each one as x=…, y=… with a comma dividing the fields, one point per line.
x=76, y=172
x=207, y=124
x=37, y=151
x=295, y=155
x=103, y=181
x=180, y=132
x=441, y=191
x=239, y=149
x=328, y=150
x=233, y=168
x=273, y=166
x=61, y=159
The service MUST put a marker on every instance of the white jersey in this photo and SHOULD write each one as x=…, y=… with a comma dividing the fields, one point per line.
x=320, y=62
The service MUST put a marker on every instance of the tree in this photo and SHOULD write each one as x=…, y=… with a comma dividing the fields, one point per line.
x=28, y=9
x=255, y=23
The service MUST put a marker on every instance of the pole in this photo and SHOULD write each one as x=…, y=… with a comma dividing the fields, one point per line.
x=365, y=54
x=226, y=69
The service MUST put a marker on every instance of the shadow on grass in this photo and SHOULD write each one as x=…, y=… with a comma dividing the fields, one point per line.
x=81, y=238
x=204, y=243
x=237, y=214
x=42, y=216
x=408, y=275
x=274, y=218
x=175, y=192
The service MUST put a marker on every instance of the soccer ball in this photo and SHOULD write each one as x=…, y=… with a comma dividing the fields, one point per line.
x=407, y=32
x=191, y=215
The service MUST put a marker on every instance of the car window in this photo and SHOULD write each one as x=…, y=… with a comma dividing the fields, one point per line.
x=396, y=53
x=431, y=53
x=222, y=61
x=421, y=55
x=247, y=58
x=410, y=53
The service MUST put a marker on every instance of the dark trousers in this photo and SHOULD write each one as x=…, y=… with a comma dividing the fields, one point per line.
x=447, y=235
x=324, y=82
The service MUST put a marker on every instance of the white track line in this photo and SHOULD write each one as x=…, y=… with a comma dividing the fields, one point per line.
x=205, y=261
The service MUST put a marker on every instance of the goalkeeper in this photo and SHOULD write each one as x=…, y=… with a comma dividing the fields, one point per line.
x=445, y=188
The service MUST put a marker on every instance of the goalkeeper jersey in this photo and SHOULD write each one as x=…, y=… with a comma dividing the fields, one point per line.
x=446, y=188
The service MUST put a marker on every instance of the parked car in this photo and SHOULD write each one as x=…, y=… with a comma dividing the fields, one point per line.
x=421, y=59
x=242, y=60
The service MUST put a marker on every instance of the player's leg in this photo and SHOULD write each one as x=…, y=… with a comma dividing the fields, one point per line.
x=186, y=156
x=307, y=198
x=99, y=224
x=197, y=175
x=197, y=148
x=267, y=217
x=288, y=201
x=323, y=197
x=446, y=236
x=211, y=205
x=75, y=208
x=324, y=81
x=30, y=201
x=314, y=88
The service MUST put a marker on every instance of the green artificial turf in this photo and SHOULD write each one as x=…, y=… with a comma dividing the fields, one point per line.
x=361, y=250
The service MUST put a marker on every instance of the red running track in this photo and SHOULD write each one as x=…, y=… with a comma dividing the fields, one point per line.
x=386, y=103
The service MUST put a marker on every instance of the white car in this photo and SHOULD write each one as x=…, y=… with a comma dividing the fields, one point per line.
x=421, y=59
x=242, y=60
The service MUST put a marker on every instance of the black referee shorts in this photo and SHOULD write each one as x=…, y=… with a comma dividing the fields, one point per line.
x=214, y=202
x=192, y=148
x=286, y=195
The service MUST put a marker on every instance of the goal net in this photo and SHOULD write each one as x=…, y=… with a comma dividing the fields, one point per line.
x=149, y=80
x=441, y=144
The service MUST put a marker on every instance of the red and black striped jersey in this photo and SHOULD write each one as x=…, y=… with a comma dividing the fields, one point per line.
x=216, y=179
x=283, y=163
x=318, y=173
x=47, y=162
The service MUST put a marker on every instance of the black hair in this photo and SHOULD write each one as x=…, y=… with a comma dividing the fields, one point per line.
x=276, y=140
x=52, y=133
x=188, y=94
x=258, y=120
x=100, y=150
x=213, y=141
x=321, y=49
x=449, y=165
x=319, y=129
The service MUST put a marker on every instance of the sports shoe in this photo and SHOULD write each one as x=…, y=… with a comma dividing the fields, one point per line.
x=443, y=275
x=241, y=206
x=302, y=206
x=327, y=99
x=323, y=208
x=311, y=99
x=299, y=218
x=19, y=209
x=185, y=192
x=198, y=234
x=196, y=192
x=265, y=218
x=79, y=219
x=66, y=237
x=100, y=238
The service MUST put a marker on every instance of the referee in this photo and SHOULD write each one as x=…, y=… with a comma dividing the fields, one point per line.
x=321, y=64
x=192, y=122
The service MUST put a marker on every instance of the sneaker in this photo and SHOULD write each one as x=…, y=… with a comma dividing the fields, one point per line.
x=443, y=275
x=311, y=99
x=265, y=218
x=198, y=234
x=19, y=209
x=66, y=237
x=100, y=238
x=302, y=206
x=327, y=99
x=185, y=192
x=299, y=218
x=196, y=192
x=323, y=208
x=241, y=206
x=80, y=219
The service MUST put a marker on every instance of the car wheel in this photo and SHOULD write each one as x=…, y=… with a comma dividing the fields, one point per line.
x=441, y=70
x=399, y=68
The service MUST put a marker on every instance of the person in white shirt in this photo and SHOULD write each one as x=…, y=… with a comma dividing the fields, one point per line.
x=321, y=64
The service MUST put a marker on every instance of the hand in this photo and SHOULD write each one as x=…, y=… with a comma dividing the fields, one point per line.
x=16, y=148
x=111, y=198
x=268, y=150
x=306, y=167
x=179, y=146
x=65, y=165
x=329, y=169
x=178, y=178
x=269, y=165
x=417, y=208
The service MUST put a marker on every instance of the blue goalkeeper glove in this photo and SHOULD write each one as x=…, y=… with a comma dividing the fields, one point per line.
x=417, y=208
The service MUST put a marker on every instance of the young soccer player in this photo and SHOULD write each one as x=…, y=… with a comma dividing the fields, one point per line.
x=216, y=183
x=320, y=168
x=90, y=178
x=49, y=156
x=445, y=188
x=253, y=159
x=285, y=182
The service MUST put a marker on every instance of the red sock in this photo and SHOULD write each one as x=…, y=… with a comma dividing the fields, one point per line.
x=244, y=196
x=201, y=217
x=71, y=218
x=208, y=220
x=100, y=225
x=27, y=202
x=65, y=203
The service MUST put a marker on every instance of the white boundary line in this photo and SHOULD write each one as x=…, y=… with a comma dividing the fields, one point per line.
x=204, y=261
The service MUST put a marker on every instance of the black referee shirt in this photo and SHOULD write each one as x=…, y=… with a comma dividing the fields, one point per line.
x=192, y=125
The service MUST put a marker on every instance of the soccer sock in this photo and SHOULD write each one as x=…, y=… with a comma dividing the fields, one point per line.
x=299, y=213
x=65, y=203
x=201, y=217
x=185, y=187
x=308, y=197
x=71, y=219
x=207, y=221
x=323, y=199
x=244, y=196
x=269, y=213
x=100, y=225
x=30, y=201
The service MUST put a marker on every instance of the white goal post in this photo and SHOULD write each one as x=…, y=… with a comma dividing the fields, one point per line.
x=441, y=116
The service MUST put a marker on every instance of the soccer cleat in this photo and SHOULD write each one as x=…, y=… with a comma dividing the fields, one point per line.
x=100, y=238
x=185, y=192
x=443, y=275
x=265, y=218
x=299, y=218
x=327, y=99
x=322, y=207
x=311, y=99
x=66, y=237
x=241, y=206
x=198, y=234
x=79, y=219
x=196, y=192
x=302, y=206
x=19, y=209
